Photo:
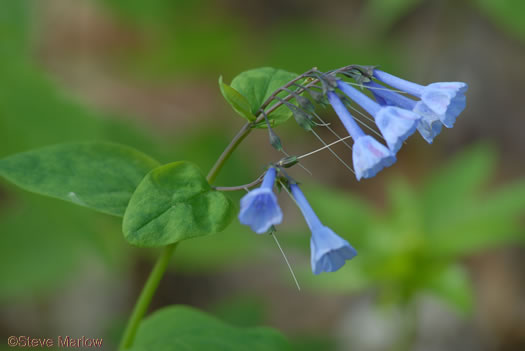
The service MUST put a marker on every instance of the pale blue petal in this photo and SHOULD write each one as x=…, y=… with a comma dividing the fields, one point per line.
x=260, y=210
x=430, y=123
x=446, y=99
x=329, y=251
x=370, y=156
x=396, y=125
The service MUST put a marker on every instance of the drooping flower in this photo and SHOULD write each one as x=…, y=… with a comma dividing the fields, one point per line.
x=328, y=250
x=259, y=208
x=368, y=155
x=446, y=99
x=396, y=124
x=429, y=125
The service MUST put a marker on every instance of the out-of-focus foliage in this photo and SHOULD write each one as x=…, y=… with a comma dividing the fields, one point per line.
x=414, y=245
x=508, y=14
x=205, y=37
x=386, y=13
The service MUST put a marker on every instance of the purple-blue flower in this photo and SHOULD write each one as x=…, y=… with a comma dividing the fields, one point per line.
x=429, y=125
x=446, y=99
x=396, y=124
x=259, y=208
x=368, y=155
x=328, y=250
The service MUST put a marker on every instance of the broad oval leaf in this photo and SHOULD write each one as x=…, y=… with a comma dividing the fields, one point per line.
x=98, y=175
x=172, y=203
x=181, y=328
x=236, y=100
x=257, y=85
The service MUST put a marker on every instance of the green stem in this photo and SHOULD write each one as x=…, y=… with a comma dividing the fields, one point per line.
x=145, y=297
x=237, y=139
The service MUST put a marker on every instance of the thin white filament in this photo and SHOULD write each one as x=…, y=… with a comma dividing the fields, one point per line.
x=324, y=147
x=333, y=152
x=286, y=260
x=364, y=124
x=331, y=130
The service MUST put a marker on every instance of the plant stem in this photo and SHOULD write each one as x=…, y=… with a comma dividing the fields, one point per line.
x=241, y=187
x=237, y=139
x=145, y=297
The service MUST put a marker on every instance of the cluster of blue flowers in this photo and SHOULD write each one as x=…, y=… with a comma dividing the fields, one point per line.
x=260, y=210
x=396, y=116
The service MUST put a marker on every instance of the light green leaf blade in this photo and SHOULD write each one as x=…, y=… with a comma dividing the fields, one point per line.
x=236, y=100
x=183, y=328
x=257, y=85
x=172, y=203
x=459, y=179
x=98, y=175
x=484, y=223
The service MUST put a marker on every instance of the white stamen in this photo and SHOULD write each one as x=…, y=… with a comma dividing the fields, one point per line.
x=331, y=130
x=333, y=152
x=286, y=260
x=324, y=147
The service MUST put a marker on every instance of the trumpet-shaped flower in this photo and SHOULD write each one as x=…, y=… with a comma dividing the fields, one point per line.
x=446, y=99
x=259, y=208
x=395, y=123
x=328, y=250
x=429, y=125
x=368, y=155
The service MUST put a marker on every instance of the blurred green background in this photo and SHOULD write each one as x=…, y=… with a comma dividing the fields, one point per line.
x=440, y=234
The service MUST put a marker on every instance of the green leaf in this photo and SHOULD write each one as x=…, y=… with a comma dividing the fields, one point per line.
x=98, y=175
x=181, y=328
x=236, y=100
x=172, y=203
x=446, y=192
x=453, y=286
x=257, y=85
x=484, y=223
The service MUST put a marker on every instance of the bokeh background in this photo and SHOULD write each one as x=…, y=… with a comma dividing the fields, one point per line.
x=440, y=234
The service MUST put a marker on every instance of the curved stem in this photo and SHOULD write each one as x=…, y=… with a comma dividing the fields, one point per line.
x=145, y=297
x=241, y=187
x=239, y=137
